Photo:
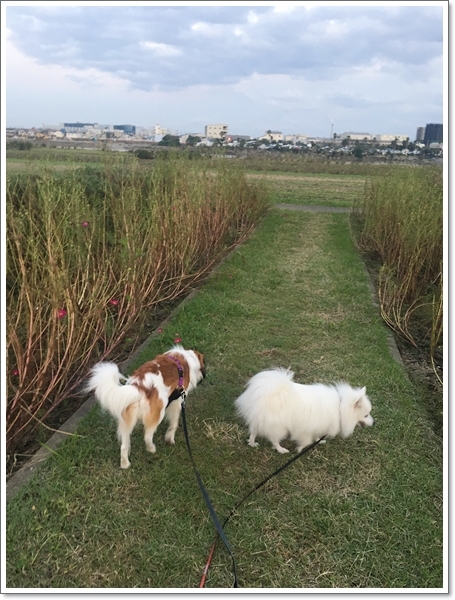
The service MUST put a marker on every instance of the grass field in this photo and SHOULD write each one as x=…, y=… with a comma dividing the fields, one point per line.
x=359, y=513
x=314, y=190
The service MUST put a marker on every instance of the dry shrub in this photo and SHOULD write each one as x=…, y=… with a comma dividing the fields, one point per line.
x=402, y=220
x=87, y=259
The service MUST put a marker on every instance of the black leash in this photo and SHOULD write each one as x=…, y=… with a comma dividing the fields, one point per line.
x=259, y=485
x=213, y=514
x=216, y=521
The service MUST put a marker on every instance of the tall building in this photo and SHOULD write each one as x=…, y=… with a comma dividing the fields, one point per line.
x=420, y=135
x=433, y=133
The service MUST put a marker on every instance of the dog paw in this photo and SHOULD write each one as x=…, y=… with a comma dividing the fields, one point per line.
x=281, y=450
x=253, y=444
x=169, y=439
x=125, y=464
x=151, y=448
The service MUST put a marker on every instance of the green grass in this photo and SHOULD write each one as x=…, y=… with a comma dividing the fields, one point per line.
x=313, y=190
x=54, y=159
x=363, y=513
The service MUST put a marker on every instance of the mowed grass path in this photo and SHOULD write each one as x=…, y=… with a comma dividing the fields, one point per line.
x=313, y=190
x=365, y=512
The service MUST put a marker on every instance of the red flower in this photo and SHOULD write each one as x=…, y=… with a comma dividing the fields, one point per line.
x=177, y=340
x=85, y=223
x=61, y=313
x=160, y=330
x=15, y=372
x=113, y=301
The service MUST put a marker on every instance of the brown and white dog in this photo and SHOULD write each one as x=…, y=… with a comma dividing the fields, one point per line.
x=152, y=392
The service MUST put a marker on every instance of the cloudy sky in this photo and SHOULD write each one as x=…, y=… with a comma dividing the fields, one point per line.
x=288, y=66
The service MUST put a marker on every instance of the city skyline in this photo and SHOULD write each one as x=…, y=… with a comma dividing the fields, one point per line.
x=300, y=68
x=134, y=129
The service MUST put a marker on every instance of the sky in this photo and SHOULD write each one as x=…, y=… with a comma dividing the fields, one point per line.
x=300, y=68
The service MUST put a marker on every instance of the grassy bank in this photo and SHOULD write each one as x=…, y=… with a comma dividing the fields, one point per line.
x=363, y=513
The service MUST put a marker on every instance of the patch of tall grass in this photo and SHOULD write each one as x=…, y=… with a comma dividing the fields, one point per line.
x=90, y=253
x=401, y=216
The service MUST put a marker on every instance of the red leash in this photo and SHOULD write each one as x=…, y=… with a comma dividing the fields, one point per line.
x=207, y=564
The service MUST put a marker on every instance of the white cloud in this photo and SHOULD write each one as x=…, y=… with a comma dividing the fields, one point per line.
x=206, y=29
x=164, y=50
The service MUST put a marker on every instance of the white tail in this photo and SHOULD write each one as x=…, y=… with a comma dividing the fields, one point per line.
x=114, y=397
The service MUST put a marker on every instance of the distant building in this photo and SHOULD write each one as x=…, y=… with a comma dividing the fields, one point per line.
x=357, y=137
x=296, y=137
x=388, y=138
x=184, y=138
x=433, y=133
x=272, y=136
x=420, y=135
x=216, y=132
x=234, y=137
x=78, y=127
x=128, y=129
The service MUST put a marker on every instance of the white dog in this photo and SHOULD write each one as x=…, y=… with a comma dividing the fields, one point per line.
x=275, y=407
x=153, y=391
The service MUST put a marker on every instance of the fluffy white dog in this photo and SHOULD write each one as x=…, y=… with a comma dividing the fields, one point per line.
x=275, y=407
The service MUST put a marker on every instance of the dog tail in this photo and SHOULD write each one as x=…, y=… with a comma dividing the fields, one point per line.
x=271, y=379
x=114, y=397
x=264, y=390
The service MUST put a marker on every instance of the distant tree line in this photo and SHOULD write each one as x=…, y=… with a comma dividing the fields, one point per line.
x=18, y=145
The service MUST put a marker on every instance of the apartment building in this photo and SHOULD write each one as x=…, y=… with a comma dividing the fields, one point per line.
x=216, y=132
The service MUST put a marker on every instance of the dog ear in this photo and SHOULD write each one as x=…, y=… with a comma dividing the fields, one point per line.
x=200, y=358
x=362, y=395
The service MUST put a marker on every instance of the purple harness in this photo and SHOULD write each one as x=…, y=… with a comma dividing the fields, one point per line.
x=180, y=389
